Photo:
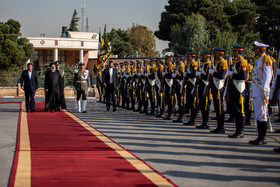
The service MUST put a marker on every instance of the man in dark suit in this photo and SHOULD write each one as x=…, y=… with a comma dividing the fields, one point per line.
x=29, y=83
x=110, y=81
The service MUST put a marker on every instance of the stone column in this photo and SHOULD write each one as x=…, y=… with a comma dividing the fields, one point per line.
x=81, y=54
x=55, y=54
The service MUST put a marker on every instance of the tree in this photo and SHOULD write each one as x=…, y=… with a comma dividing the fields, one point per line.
x=14, y=50
x=268, y=22
x=192, y=36
x=143, y=40
x=137, y=38
x=121, y=43
x=74, y=22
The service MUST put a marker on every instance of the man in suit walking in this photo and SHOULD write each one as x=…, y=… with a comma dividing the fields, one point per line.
x=29, y=83
x=110, y=81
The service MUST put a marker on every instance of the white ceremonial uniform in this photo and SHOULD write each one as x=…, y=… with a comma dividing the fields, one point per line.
x=262, y=76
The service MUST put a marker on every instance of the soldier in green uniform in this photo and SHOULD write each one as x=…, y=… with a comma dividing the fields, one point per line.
x=82, y=85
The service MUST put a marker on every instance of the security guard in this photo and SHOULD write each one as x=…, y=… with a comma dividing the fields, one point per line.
x=262, y=76
x=168, y=82
x=248, y=82
x=237, y=90
x=158, y=77
x=82, y=84
x=204, y=102
x=218, y=75
x=190, y=79
x=178, y=81
x=98, y=83
x=124, y=85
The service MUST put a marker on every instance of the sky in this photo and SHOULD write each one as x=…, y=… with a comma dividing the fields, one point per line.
x=48, y=16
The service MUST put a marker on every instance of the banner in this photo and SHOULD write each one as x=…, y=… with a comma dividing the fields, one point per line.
x=105, y=50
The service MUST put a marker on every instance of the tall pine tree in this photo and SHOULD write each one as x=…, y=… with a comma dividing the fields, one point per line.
x=74, y=22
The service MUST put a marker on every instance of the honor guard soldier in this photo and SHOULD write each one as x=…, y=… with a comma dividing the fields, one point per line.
x=217, y=78
x=158, y=77
x=116, y=66
x=190, y=79
x=132, y=85
x=98, y=83
x=151, y=86
x=139, y=71
x=82, y=84
x=142, y=85
x=237, y=88
x=168, y=82
x=125, y=103
x=248, y=82
x=204, y=101
x=178, y=81
x=119, y=91
x=262, y=76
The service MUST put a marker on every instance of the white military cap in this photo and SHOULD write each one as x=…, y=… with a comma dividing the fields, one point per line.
x=261, y=45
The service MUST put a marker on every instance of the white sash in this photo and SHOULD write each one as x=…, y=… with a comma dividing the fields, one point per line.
x=219, y=83
x=192, y=80
x=152, y=82
x=257, y=79
x=157, y=81
x=169, y=82
x=239, y=85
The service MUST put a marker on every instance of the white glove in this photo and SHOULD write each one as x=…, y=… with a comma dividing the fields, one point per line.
x=230, y=73
x=88, y=89
x=263, y=94
x=173, y=75
x=74, y=89
x=197, y=73
x=211, y=71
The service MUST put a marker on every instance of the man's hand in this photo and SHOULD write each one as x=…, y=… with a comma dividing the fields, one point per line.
x=105, y=85
x=22, y=87
x=47, y=90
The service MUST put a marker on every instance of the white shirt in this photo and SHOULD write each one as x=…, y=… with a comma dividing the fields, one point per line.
x=111, y=75
x=29, y=74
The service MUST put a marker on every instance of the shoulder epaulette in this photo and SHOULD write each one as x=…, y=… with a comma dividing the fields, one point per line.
x=266, y=60
x=223, y=64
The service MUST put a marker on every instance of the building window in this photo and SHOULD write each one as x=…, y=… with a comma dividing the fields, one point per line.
x=61, y=56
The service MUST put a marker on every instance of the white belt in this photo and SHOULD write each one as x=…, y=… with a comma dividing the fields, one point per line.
x=82, y=81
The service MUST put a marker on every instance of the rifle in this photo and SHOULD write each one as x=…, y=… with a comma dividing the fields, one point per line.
x=206, y=92
x=229, y=81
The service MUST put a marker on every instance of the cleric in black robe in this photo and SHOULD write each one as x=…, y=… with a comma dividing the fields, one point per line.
x=53, y=89
x=62, y=98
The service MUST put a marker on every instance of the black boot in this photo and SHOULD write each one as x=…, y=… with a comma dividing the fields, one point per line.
x=204, y=124
x=168, y=117
x=179, y=120
x=193, y=115
x=239, y=133
x=261, y=140
x=220, y=127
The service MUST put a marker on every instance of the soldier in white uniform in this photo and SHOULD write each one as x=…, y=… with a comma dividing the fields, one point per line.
x=262, y=76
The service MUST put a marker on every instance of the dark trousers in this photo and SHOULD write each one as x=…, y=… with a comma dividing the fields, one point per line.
x=110, y=90
x=83, y=93
x=29, y=100
x=169, y=100
x=152, y=97
x=180, y=100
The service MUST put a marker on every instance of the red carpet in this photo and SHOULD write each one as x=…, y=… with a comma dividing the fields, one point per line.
x=67, y=152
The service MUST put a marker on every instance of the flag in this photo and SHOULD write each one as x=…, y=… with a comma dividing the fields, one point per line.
x=99, y=46
x=105, y=50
